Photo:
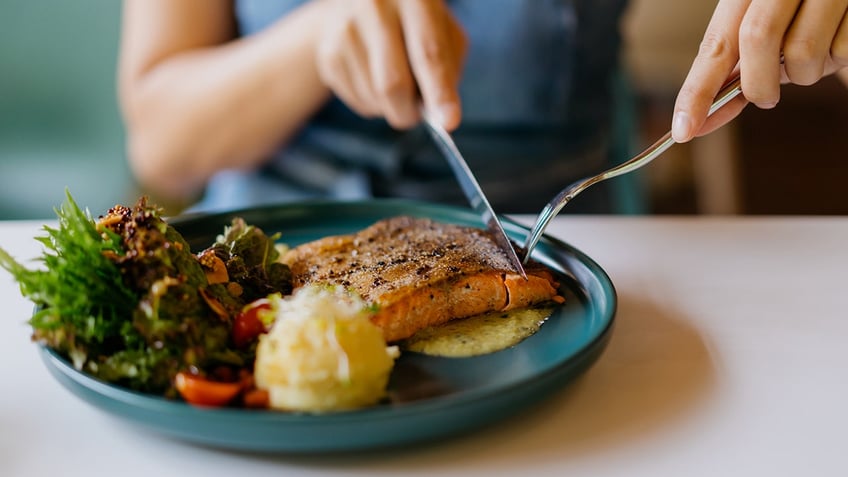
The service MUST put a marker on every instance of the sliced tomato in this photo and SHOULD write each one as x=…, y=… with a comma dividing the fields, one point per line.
x=247, y=326
x=200, y=391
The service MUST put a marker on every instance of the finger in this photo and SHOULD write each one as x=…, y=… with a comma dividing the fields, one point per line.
x=716, y=59
x=807, y=46
x=364, y=97
x=761, y=37
x=726, y=113
x=723, y=116
x=432, y=58
x=348, y=92
x=343, y=68
x=391, y=76
x=459, y=40
x=839, y=47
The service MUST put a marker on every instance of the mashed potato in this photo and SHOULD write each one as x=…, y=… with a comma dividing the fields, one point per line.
x=323, y=353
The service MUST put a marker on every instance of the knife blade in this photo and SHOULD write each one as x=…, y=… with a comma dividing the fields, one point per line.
x=472, y=190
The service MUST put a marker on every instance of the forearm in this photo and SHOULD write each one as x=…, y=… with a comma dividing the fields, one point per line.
x=228, y=106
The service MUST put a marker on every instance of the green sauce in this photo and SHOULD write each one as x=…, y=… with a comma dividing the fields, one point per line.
x=478, y=335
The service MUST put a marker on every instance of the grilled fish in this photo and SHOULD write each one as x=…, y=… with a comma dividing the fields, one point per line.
x=419, y=272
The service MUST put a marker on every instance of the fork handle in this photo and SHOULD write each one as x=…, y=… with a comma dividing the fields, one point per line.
x=730, y=91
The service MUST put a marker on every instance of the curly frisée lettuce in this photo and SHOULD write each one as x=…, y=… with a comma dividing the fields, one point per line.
x=126, y=300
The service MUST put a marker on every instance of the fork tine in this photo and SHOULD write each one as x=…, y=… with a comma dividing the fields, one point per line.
x=550, y=211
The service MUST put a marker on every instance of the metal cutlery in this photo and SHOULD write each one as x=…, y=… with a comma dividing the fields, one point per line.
x=552, y=208
x=471, y=189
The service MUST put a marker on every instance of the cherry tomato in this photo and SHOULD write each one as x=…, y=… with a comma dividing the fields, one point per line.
x=247, y=326
x=200, y=391
x=256, y=399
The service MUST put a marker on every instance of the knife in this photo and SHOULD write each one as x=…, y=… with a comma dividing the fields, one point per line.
x=471, y=189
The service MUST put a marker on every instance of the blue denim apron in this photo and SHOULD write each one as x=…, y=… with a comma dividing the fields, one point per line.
x=536, y=99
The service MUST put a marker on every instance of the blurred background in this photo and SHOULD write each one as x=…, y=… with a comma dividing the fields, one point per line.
x=60, y=127
x=59, y=122
x=789, y=160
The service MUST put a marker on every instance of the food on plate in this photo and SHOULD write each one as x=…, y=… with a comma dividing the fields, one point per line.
x=479, y=334
x=418, y=273
x=250, y=260
x=248, y=322
x=322, y=353
x=126, y=301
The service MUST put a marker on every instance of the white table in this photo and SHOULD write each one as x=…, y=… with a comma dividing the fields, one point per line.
x=729, y=358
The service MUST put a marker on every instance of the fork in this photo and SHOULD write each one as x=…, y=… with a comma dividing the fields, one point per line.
x=552, y=208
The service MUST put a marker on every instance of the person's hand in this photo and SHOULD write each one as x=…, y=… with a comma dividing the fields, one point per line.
x=384, y=58
x=749, y=36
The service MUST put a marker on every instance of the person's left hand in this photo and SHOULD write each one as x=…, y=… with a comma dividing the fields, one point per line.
x=750, y=36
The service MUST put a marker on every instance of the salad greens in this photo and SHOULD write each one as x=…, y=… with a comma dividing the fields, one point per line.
x=125, y=299
x=251, y=259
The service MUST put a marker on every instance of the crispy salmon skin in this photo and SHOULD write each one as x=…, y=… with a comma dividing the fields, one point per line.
x=419, y=273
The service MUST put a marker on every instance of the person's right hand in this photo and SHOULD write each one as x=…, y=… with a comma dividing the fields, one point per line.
x=383, y=58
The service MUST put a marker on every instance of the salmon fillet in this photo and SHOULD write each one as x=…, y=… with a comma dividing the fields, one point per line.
x=419, y=273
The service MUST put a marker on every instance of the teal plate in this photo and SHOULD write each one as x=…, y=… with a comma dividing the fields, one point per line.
x=432, y=397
